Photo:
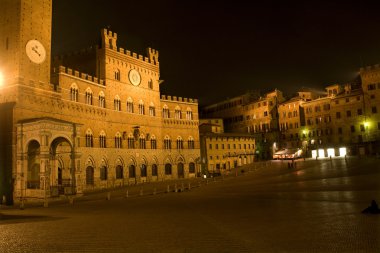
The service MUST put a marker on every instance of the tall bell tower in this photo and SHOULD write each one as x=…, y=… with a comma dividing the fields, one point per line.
x=25, y=41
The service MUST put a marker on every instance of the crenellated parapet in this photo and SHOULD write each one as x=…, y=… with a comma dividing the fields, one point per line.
x=109, y=41
x=375, y=67
x=178, y=99
x=77, y=74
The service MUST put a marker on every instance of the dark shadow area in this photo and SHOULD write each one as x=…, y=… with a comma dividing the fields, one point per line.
x=10, y=219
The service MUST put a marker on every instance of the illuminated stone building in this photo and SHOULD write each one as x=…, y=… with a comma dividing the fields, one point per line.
x=223, y=152
x=98, y=122
x=346, y=116
x=253, y=114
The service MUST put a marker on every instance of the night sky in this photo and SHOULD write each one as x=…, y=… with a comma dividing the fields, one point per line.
x=212, y=50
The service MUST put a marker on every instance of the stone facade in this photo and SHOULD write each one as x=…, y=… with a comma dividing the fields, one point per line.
x=253, y=114
x=74, y=131
x=222, y=153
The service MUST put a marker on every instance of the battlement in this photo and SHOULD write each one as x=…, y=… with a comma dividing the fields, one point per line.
x=109, y=40
x=80, y=75
x=375, y=67
x=179, y=99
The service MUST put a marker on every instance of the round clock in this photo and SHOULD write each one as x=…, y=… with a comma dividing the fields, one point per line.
x=35, y=51
x=134, y=77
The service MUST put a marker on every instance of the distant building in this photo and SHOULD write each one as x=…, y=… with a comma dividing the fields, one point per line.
x=222, y=153
x=252, y=114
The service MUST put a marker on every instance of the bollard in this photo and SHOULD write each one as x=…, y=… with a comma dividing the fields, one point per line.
x=189, y=186
x=4, y=200
x=175, y=188
x=168, y=189
x=22, y=204
x=126, y=194
x=154, y=191
x=182, y=187
x=46, y=202
x=108, y=196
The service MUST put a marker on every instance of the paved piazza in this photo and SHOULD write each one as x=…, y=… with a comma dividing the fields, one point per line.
x=315, y=207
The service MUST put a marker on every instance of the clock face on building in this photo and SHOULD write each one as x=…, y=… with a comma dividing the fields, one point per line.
x=35, y=51
x=134, y=77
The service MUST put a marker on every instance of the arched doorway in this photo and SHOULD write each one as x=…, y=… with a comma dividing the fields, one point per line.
x=33, y=175
x=192, y=168
x=132, y=171
x=181, y=170
x=62, y=174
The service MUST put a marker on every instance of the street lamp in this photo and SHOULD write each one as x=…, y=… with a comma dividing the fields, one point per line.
x=1, y=79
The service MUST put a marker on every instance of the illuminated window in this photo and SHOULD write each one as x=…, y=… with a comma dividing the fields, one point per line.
x=165, y=112
x=167, y=143
x=179, y=142
x=189, y=114
x=190, y=143
x=102, y=100
x=153, y=142
x=177, y=113
x=142, y=142
x=89, y=138
x=117, y=74
x=130, y=105
x=74, y=92
x=88, y=96
x=117, y=103
x=150, y=84
x=102, y=139
x=131, y=141
x=118, y=140
x=141, y=107
x=152, y=110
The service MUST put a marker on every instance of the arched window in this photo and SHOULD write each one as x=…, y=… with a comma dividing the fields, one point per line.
x=152, y=110
x=143, y=170
x=168, y=169
x=117, y=103
x=102, y=100
x=103, y=172
x=131, y=141
x=119, y=172
x=165, y=112
x=88, y=96
x=192, y=168
x=153, y=142
x=132, y=171
x=89, y=138
x=179, y=142
x=90, y=175
x=167, y=142
x=150, y=84
x=177, y=113
x=142, y=142
x=117, y=74
x=189, y=114
x=130, y=105
x=141, y=107
x=102, y=139
x=118, y=140
x=190, y=143
x=74, y=92
x=154, y=170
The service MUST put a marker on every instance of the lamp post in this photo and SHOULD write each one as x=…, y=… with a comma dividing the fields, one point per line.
x=1, y=79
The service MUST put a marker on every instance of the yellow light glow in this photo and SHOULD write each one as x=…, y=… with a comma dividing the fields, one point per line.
x=1, y=79
x=366, y=124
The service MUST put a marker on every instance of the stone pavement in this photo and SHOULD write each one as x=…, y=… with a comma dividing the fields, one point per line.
x=315, y=207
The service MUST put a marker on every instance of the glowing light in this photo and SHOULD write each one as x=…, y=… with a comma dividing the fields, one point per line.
x=321, y=153
x=1, y=79
x=342, y=151
x=366, y=123
x=330, y=152
x=314, y=153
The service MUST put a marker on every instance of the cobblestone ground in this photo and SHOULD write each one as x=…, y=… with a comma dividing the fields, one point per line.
x=315, y=207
